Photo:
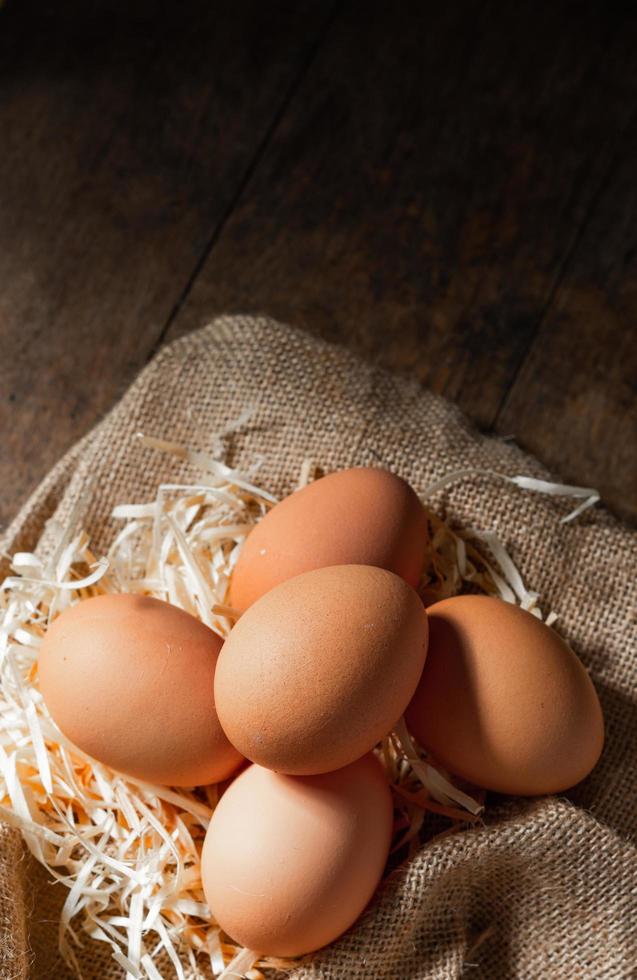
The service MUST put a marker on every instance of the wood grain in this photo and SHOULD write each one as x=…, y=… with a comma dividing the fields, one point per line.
x=126, y=132
x=426, y=190
x=444, y=188
x=574, y=400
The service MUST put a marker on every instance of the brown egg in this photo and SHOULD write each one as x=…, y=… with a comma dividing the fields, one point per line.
x=361, y=516
x=130, y=681
x=289, y=862
x=503, y=701
x=321, y=667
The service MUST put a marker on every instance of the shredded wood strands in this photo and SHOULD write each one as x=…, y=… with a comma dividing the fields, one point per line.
x=240, y=965
x=128, y=852
x=455, y=562
x=588, y=495
x=437, y=783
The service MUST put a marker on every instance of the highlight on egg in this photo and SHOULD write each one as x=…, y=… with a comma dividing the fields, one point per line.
x=319, y=669
x=359, y=516
x=289, y=863
x=129, y=680
x=503, y=701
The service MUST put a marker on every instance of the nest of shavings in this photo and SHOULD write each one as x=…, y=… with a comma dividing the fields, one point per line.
x=128, y=852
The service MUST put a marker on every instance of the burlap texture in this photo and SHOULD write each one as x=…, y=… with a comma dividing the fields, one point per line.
x=546, y=888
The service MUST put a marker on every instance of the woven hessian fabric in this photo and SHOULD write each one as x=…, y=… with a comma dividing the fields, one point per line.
x=546, y=888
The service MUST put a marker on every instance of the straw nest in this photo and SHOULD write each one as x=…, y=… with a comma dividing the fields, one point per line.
x=128, y=852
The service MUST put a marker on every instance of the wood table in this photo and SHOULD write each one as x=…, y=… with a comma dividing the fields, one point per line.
x=447, y=188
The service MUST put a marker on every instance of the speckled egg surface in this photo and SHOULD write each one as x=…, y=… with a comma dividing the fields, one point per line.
x=503, y=701
x=320, y=668
x=361, y=516
x=289, y=863
x=130, y=681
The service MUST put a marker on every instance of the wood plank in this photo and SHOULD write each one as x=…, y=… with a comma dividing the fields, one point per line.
x=573, y=401
x=427, y=186
x=126, y=131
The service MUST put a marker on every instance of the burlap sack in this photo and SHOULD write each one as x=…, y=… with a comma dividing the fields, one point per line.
x=547, y=888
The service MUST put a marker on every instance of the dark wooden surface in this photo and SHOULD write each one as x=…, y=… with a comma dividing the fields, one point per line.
x=448, y=189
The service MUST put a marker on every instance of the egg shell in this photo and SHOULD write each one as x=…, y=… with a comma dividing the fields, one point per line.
x=320, y=668
x=361, y=516
x=289, y=862
x=503, y=701
x=130, y=681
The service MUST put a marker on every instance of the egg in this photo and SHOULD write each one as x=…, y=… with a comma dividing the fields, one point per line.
x=289, y=863
x=130, y=681
x=321, y=667
x=360, y=516
x=503, y=701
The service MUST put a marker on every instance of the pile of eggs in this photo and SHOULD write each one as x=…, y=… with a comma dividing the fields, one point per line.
x=332, y=647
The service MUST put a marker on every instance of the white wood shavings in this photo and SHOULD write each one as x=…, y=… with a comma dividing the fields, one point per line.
x=37, y=740
x=128, y=852
x=240, y=964
x=215, y=952
x=306, y=474
x=513, y=578
x=23, y=559
x=81, y=583
x=208, y=464
x=440, y=787
x=151, y=970
x=588, y=495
